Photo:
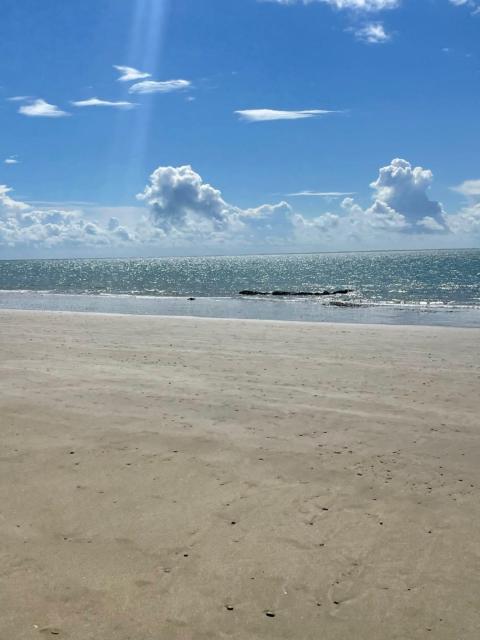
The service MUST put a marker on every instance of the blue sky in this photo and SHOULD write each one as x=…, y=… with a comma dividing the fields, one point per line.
x=375, y=101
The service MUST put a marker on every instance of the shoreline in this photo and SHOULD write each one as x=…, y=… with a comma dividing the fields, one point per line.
x=192, y=318
x=241, y=308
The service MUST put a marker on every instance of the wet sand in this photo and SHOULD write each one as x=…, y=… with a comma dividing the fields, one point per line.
x=177, y=479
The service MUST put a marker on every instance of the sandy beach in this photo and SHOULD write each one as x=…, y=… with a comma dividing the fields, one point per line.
x=189, y=479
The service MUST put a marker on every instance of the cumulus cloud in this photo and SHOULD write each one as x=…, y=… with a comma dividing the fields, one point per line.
x=264, y=115
x=24, y=225
x=152, y=86
x=97, y=102
x=182, y=204
x=178, y=198
x=42, y=109
x=129, y=74
x=404, y=189
x=11, y=160
x=184, y=208
x=401, y=204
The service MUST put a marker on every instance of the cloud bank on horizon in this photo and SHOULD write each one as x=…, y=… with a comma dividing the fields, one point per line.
x=182, y=210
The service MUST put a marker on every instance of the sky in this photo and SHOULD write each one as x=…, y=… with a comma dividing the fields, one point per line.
x=190, y=127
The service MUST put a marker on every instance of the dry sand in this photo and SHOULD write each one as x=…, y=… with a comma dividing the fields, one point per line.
x=166, y=478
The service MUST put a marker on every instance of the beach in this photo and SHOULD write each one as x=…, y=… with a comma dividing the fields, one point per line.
x=186, y=478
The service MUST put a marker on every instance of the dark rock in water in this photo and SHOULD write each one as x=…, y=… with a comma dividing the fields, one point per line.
x=342, y=303
x=248, y=292
x=253, y=292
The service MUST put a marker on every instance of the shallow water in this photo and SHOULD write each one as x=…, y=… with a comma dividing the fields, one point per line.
x=404, y=287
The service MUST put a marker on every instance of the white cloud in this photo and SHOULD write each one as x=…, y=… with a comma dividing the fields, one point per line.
x=41, y=109
x=466, y=221
x=11, y=160
x=430, y=224
x=129, y=74
x=181, y=210
x=469, y=188
x=401, y=203
x=264, y=115
x=185, y=210
x=178, y=198
x=379, y=217
x=353, y=5
x=97, y=102
x=404, y=188
x=24, y=225
x=19, y=98
x=152, y=86
x=185, y=207
x=323, y=223
x=372, y=33
x=7, y=203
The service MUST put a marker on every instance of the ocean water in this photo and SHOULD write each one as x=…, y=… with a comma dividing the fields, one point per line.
x=405, y=287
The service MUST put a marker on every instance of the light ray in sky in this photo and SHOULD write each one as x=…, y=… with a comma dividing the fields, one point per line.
x=147, y=39
x=143, y=52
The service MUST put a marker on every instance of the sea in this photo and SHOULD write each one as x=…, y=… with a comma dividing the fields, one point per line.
x=440, y=287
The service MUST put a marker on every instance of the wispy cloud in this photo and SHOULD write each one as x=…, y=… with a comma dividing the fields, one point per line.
x=264, y=115
x=42, y=109
x=97, y=102
x=129, y=74
x=352, y=5
x=19, y=98
x=320, y=194
x=61, y=204
x=11, y=160
x=372, y=33
x=152, y=86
